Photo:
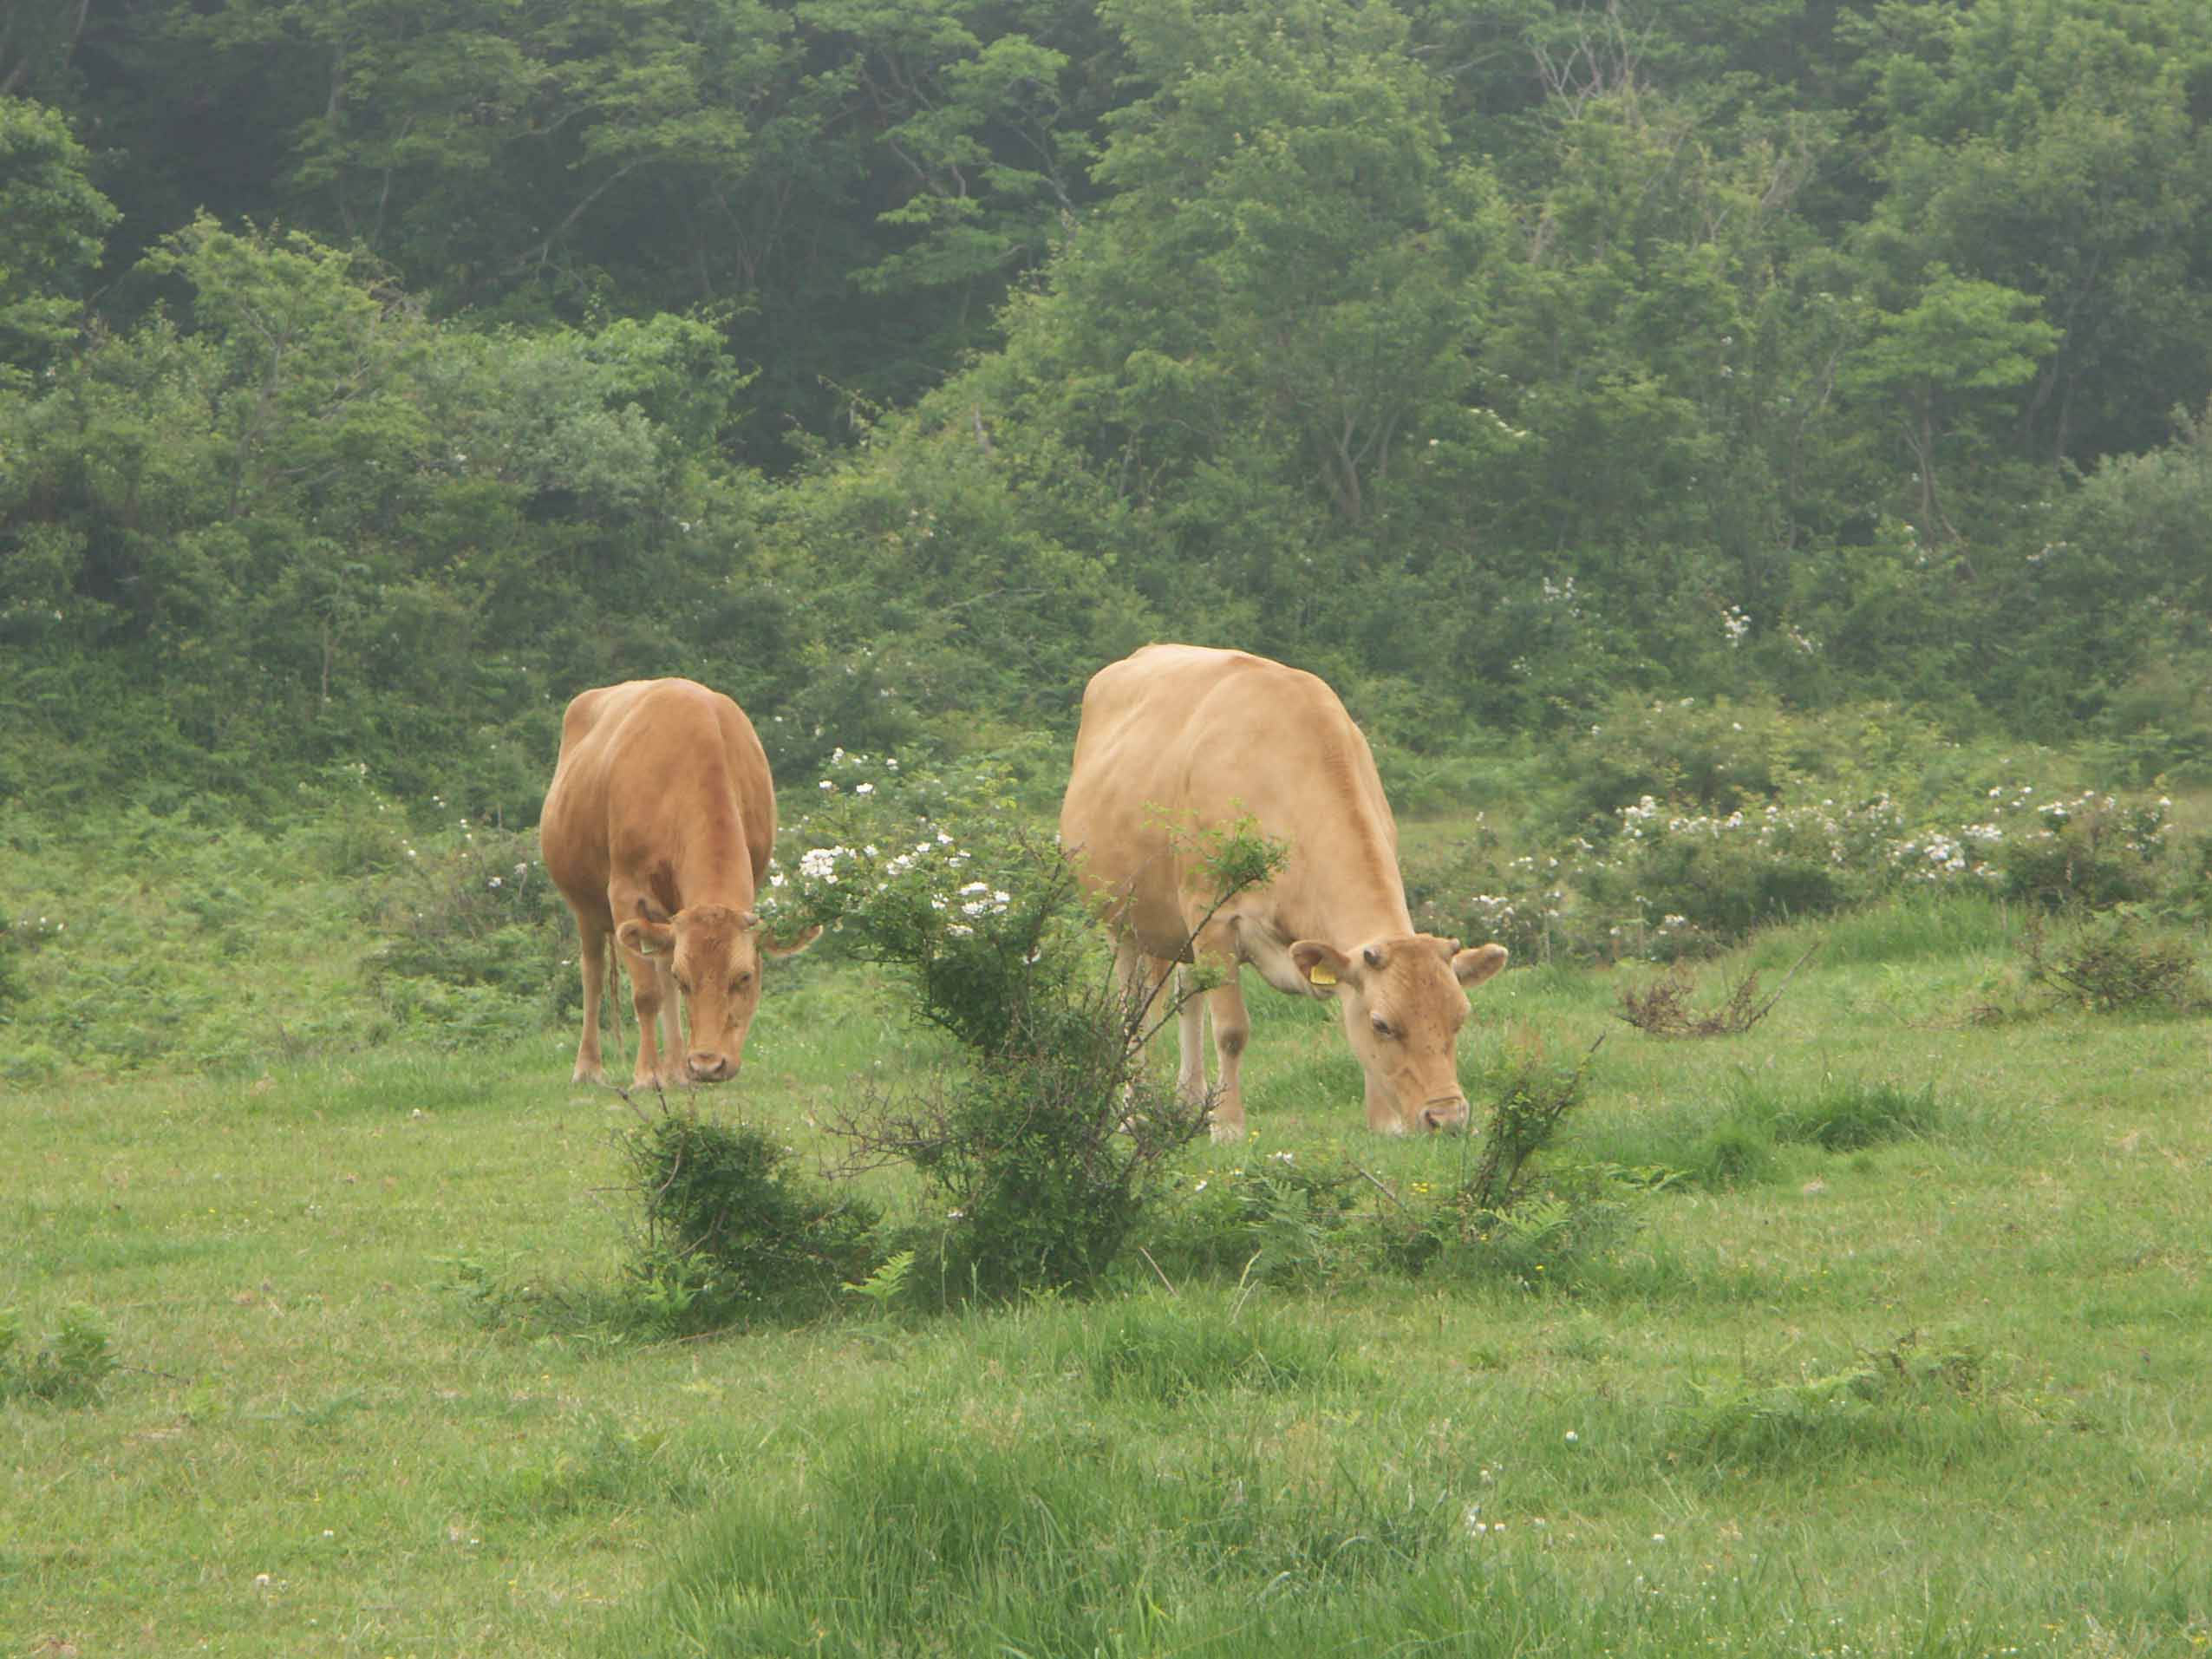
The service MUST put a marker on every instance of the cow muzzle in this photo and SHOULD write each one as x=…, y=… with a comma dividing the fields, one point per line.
x=1447, y=1113
x=705, y=1065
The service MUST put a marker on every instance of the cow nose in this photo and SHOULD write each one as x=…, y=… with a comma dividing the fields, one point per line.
x=1445, y=1114
x=707, y=1066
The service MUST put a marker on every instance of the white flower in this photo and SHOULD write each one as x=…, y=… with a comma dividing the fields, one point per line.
x=828, y=786
x=1572, y=1437
x=960, y=930
x=864, y=788
x=495, y=881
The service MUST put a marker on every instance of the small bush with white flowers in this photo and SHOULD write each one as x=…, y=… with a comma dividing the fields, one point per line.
x=1042, y=1142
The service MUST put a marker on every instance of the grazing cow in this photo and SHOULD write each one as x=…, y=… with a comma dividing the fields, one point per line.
x=1177, y=740
x=656, y=830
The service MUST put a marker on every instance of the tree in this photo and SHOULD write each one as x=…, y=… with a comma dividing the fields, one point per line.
x=56, y=222
x=1961, y=339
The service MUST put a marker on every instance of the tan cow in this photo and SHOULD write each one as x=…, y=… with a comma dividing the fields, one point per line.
x=656, y=830
x=1178, y=739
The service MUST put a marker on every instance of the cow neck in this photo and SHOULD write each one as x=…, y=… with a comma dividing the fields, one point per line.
x=708, y=861
x=1359, y=897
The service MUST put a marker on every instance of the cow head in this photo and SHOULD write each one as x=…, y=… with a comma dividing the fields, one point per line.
x=714, y=953
x=1404, y=1001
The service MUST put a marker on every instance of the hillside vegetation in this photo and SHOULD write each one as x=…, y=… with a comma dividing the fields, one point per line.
x=374, y=376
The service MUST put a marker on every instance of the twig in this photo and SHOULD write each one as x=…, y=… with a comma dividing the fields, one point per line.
x=1245, y=1287
x=1380, y=1188
x=1155, y=1266
x=1786, y=978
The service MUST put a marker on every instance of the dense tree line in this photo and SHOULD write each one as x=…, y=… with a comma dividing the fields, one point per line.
x=373, y=373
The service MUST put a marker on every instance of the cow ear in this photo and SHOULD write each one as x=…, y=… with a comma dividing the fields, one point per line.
x=792, y=946
x=1470, y=968
x=1322, y=966
x=647, y=938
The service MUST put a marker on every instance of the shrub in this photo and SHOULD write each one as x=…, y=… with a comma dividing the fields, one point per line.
x=471, y=909
x=2109, y=964
x=1041, y=1155
x=1502, y=1218
x=726, y=1228
x=19, y=940
x=1663, y=1008
x=69, y=1369
x=1903, y=1396
x=2090, y=851
x=1042, y=1140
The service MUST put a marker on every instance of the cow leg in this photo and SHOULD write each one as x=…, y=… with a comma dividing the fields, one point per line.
x=592, y=957
x=1232, y=1028
x=1190, y=1039
x=647, y=997
x=672, y=1043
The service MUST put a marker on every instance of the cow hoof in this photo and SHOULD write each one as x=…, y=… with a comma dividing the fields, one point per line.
x=1227, y=1133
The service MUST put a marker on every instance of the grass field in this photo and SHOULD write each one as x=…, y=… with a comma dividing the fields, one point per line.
x=1936, y=1383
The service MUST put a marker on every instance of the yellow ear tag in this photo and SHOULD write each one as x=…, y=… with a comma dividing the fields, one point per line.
x=1321, y=975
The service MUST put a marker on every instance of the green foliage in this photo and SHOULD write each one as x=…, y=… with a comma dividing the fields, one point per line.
x=477, y=943
x=1503, y=1216
x=1940, y=1400
x=726, y=1230
x=883, y=1285
x=69, y=1369
x=1043, y=1141
x=2112, y=963
x=2092, y=851
x=56, y=220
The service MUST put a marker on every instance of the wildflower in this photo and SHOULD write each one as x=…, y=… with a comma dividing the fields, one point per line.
x=864, y=788
x=828, y=786
x=495, y=881
x=1572, y=1437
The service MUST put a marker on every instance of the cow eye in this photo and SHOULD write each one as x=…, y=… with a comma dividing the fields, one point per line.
x=1382, y=1026
x=741, y=981
x=683, y=985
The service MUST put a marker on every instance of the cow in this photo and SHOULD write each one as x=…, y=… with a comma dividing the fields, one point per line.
x=657, y=830
x=1179, y=739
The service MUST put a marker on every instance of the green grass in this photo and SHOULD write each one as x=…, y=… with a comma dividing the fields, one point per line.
x=1917, y=1367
